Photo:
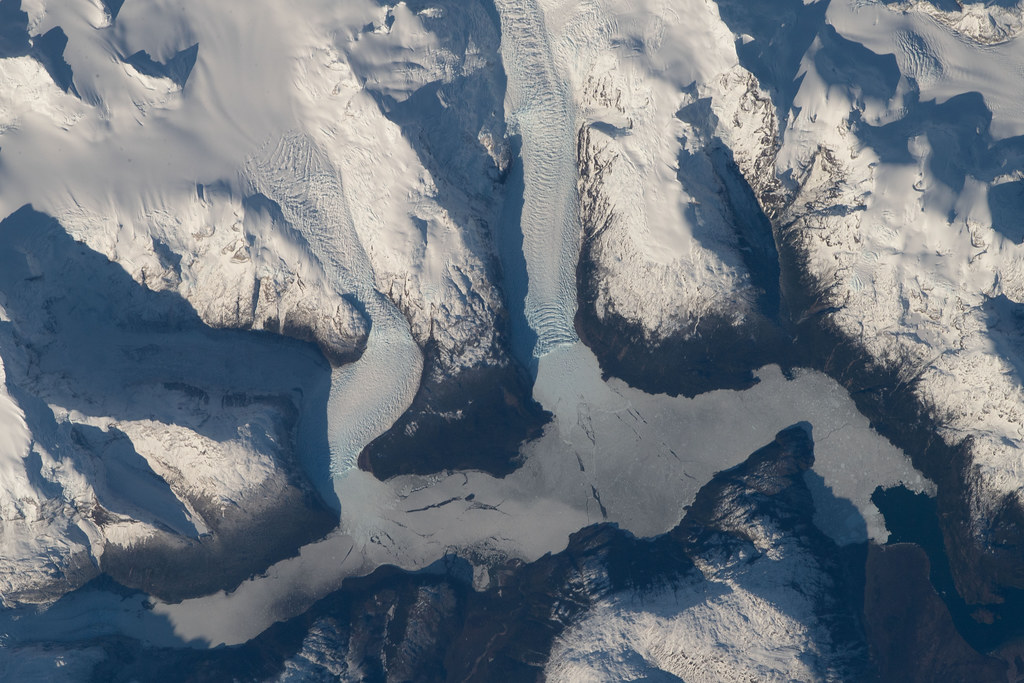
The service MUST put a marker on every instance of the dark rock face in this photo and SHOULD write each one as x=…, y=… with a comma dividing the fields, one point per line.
x=443, y=430
x=909, y=629
x=431, y=625
x=13, y=30
x=113, y=7
x=769, y=482
x=175, y=567
x=177, y=68
x=718, y=355
x=97, y=342
x=49, y=50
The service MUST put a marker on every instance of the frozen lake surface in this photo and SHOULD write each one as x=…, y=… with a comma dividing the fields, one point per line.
x=611, y=454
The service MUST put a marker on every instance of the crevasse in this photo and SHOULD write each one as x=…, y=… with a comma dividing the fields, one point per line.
x=367, y=396
x=539, y=108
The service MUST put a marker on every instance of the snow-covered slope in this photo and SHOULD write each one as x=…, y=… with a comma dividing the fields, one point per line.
x=300, y=291
x=898, y=171
x=659, y=224
x=207, y=191
x=678, y=259
x=765, y=602
x=138, y=431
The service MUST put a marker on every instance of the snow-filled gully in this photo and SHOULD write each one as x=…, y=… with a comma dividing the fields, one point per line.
x=369, y=395
x=539, y=108
x=627, y=439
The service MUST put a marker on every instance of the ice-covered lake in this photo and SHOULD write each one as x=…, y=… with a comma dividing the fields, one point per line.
x=612, y=453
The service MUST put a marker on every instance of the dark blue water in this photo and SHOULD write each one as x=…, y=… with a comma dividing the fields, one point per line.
x=913, y=518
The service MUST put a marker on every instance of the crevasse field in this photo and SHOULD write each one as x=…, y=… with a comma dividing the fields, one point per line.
x=233, y=276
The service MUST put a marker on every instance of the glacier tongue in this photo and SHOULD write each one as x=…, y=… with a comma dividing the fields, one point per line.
x=297, y=174
x=538, y=106
x=394, y=227
x=574, y=475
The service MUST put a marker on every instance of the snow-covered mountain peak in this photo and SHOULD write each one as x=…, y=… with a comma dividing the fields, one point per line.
x=476, y=308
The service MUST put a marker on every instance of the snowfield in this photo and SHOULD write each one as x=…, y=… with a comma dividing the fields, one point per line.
x=230, y=264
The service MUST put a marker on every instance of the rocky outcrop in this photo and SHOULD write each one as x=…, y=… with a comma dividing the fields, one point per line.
x=746, y=568
x=476, y=420
x=156, y=454
x=909, y=628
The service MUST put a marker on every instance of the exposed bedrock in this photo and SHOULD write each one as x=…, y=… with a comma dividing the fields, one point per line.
x=164, y=452
x=747, y=548
x=475, y=420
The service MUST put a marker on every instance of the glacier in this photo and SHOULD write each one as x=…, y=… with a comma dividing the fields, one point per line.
x=540, y=112
x=680, y=227
x=296, y=174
